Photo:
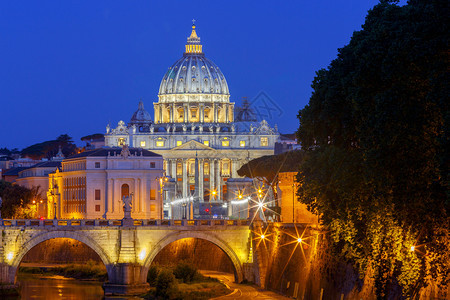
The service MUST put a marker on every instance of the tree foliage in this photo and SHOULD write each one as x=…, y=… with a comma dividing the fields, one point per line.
x=17, y=200
x=49, y=149
x=376, y=136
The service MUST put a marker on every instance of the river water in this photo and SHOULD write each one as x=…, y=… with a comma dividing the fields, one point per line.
x=57, y=287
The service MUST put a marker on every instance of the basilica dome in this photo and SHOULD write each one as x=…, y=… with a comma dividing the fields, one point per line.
x=193, y=73
x=141, y=115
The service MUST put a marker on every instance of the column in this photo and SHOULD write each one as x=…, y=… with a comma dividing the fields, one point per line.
x=172, y=113
x=174, y=168
x=113, y=200
x=219, y=181
x=186, y=113
x=200, y=179
x=160, y=114
x=134, y=208
x=140, y=198
x=185, y=178
x=214, y=112
x=226, y=113
x=234, y=168
x=211, y=177
x=201, y=111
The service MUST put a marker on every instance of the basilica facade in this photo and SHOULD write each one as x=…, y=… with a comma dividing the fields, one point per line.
x=196, y=129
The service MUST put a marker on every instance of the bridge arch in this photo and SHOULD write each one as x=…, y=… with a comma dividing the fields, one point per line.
x=79, y=236
x=238, y=275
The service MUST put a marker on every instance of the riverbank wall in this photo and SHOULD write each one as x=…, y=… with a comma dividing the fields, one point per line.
x=295, y=260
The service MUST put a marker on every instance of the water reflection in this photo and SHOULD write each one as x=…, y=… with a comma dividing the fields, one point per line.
x=34, y=287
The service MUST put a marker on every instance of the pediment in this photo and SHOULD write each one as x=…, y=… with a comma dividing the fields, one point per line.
x=193, y=145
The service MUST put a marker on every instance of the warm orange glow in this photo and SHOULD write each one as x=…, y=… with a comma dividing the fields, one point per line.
x=262, y=236
x=214, y=192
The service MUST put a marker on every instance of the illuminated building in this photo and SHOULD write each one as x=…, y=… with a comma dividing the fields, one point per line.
x=91, y=184
x=195, y=130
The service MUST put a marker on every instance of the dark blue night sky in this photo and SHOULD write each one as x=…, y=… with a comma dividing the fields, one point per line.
x=73, y=66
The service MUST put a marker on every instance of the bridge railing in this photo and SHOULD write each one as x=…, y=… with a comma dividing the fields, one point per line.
x=110, y=222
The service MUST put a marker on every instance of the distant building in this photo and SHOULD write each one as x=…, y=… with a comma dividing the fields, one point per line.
x=37, y=176
x=94, y=141
x=91, y=184
x=286, y=142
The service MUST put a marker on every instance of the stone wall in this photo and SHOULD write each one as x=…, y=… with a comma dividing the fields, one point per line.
x=308, y=270
x=203, y=254
x=61, y=250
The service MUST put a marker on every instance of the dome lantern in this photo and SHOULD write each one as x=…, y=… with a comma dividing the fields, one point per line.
x=193, y=45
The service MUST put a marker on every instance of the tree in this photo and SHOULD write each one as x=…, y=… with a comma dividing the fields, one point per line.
x=49, y=149
x=376, y=134
x=17, y=200
x=266, y=168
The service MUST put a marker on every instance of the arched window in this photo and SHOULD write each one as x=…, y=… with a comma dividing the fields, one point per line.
x=125, y=190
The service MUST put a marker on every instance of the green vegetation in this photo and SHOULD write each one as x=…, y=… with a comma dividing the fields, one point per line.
x=376, y=136
x=90, y=270
x=17, y=200
x=182, y=281
x=49, y=149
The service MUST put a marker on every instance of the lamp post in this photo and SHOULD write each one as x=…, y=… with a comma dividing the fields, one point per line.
x=162, y=181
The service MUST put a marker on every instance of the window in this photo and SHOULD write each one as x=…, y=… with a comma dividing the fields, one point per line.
x=159, y=143
x=121, y=142
x=97, y=195
x=152, y=207
x=152, y=194
x=152, y=165
x=264, y=142
x=206, y=143
x=125, y=190
x=225, y=143
x=179, y=143
x=97, y=207
x=142, y=143
x=242, y=143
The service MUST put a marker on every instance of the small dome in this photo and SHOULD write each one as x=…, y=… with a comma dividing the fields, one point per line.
x=141, y=115
x=194, y=73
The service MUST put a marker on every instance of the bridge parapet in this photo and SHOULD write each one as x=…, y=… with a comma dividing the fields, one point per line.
x=115, y=223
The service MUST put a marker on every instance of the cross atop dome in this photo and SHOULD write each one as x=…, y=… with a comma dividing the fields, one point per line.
x=193, y=45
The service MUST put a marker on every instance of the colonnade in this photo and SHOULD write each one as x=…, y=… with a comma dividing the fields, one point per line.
x=194, y=113
x=215, y=176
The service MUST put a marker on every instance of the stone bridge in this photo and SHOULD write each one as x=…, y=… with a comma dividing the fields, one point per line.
x=127, y=250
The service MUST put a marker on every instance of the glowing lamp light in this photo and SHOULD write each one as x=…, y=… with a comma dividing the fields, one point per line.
x=142, y=254
x=260, y=205
x=299, y=240
x=214, y=193
x=412, y=248
x=10, y=256
x=240, y=196
x=262, y=236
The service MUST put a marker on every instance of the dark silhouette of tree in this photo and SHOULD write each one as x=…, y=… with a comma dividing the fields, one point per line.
x=15, y=200
x=49, y=149
x=376, y=137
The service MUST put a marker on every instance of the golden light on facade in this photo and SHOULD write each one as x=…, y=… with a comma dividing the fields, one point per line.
x=142, y=254
x=10, y=256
